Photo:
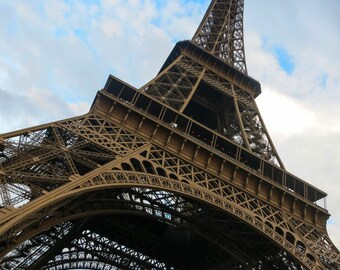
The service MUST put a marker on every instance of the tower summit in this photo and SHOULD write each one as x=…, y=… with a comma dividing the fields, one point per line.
x=179, y=174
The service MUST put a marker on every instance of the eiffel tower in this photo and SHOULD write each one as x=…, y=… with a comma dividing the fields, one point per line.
x=179, y=174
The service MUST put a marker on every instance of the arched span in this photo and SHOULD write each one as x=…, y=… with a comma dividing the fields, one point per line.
x=121, y=179
x=190, y=223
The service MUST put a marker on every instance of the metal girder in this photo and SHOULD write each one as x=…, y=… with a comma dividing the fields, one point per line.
x=174, y=86
x=177, y=84
x=221, y=32
x=189, y=180
x=209, y=224
x=37, y=160
x=149, y=180
x=155, y=168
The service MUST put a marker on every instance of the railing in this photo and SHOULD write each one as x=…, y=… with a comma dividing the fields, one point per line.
x=210, y=138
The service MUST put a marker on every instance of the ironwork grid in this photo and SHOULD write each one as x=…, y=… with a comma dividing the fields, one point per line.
x=146, y=180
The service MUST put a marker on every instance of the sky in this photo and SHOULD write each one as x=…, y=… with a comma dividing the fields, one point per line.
x=56, y=54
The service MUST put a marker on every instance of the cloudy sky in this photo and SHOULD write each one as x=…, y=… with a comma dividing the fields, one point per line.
x=55, y=55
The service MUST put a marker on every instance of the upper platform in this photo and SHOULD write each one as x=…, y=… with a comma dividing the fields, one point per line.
x=224, y=69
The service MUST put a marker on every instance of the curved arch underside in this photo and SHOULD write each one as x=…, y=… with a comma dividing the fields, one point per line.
x=140, y=228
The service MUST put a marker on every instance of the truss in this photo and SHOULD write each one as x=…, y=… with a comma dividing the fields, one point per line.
x=180, y=174
x=221, y=32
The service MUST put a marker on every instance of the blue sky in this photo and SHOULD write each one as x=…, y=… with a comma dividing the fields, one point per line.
x=284, y=59
x=55, y=55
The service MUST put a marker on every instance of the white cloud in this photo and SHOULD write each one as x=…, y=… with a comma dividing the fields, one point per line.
x=79, y=108
x=285, y=116
x=111, y=28
x=35, y=107
x=301, y=110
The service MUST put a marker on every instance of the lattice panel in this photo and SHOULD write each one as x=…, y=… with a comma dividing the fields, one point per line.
x=100, y=249
x=35, y=248
x=319, y=241
x=257, y=138
x=38, y=160
x=101, y=132
x=228, y=204
x=84, y=193
x=173, y=86
x=269, y=215
x=221, y=32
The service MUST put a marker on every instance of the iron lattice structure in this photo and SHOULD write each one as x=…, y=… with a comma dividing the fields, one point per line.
x=179, y=174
